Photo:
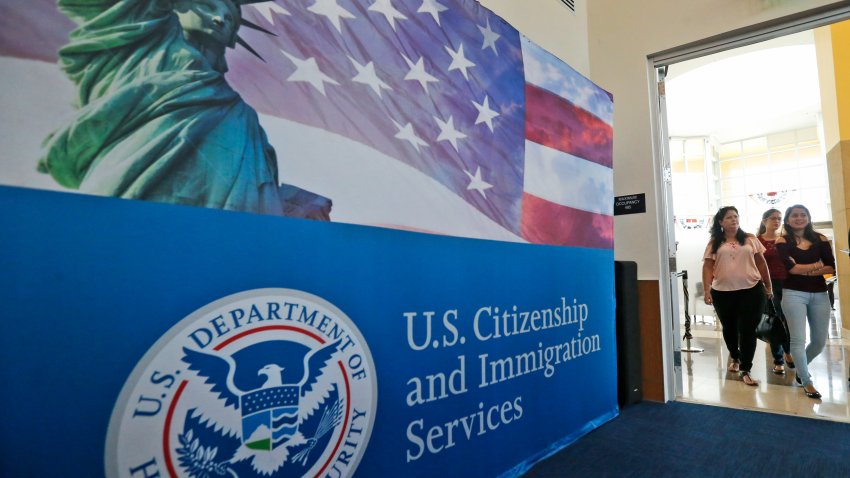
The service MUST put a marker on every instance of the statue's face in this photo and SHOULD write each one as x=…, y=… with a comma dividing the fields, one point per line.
x=217, y=20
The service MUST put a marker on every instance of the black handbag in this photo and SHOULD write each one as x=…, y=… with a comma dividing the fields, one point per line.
x=772, y=328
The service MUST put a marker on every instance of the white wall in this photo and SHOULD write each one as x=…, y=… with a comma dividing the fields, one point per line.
x=621, y=36
x=550, y=24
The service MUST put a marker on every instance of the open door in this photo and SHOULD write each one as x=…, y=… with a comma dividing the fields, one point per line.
x=672, y=274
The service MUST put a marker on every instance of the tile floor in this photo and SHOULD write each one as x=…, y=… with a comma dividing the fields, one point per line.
x=705, y=379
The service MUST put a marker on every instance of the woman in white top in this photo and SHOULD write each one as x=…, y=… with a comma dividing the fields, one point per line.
x=737, y=283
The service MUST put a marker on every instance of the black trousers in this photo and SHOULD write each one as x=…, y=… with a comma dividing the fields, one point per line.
x=739, y=312
x=778, y=350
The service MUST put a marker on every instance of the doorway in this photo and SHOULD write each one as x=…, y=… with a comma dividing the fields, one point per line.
x=743, y=127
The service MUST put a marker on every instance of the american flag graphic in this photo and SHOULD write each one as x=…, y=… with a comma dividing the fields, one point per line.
x=452, y=90
x=447, y=89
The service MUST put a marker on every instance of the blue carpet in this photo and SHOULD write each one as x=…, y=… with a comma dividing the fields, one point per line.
x=686, y=440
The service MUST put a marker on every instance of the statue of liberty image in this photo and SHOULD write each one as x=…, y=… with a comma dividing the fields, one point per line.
x=156, y=119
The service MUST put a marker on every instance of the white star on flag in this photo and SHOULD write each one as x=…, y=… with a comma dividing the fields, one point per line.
x=268, y=8
x=485, y=114
x=490, y=37
x=459, y=61
x=332, y=10
x=386, y=8
x=308, y=72
x=476, y=183
x=448, y=132
x=433, y=7
x=417, y=73
x=406, y=133
x=367, y=76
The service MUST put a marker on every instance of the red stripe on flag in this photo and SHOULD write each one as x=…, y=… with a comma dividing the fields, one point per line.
x=545, y=222
x=555, y=122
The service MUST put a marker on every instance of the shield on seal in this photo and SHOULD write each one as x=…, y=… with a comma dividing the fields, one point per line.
x=269, y=416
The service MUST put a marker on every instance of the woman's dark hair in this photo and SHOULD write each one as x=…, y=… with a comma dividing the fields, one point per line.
x=718, y=237
x=808, y=233
x=767, y=214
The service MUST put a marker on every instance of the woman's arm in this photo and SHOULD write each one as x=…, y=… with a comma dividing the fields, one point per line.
x=824, y=265
x=826, y=256
x=707, y=278
x=784, y=250
x=761, y=265
x=808, y=269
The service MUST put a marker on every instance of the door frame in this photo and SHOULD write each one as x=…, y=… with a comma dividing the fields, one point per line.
x=806, y=20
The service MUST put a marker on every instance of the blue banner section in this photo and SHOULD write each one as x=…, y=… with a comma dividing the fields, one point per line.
x=144, y=339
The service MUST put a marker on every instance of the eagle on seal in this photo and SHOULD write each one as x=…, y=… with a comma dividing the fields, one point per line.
x=271, y=413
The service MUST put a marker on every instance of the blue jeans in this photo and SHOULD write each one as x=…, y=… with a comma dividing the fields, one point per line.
x=798, y=306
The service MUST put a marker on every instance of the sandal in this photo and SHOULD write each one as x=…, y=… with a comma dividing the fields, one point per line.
x=813, y=394
x=745, y=377
x=789, y=361
x=779, y=369
x=734, y=367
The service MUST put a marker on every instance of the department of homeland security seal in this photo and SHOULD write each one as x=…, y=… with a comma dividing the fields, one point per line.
x=263, y=383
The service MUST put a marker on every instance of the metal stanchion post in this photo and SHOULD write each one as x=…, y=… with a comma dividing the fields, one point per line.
x=688, y=335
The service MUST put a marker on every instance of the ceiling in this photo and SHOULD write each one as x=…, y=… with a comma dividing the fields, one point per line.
x=750, y=91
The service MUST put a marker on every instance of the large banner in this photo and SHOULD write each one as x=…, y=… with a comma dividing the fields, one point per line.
x=147, y=340
x=423, y=115
x=144, y=338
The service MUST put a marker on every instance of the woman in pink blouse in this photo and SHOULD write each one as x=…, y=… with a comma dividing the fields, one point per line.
x=737, y=283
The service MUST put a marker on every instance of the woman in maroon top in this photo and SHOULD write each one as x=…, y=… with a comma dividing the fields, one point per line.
x=807, y=256
x=771, y=222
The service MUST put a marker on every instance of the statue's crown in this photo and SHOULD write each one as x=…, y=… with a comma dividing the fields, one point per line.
x=251, y=25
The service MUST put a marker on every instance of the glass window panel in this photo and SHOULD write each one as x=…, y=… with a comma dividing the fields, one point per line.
x=804, y=144
x=812, y=177
x=807, y=134
x=732, y=187
x=694, y=148
x=755, y=145
x=811, y=156
x=779, y=141
x=676, y=149
x=693, y=195
x=817, y=200
x=732, y=167
x=677, y=163
x=751, y=214
x=757, y=164
x=783, y=160
x=807, y=137
x=696, y=166
x=782, y=180
x=738, y=201
x=700, y=195
x=730, y=150
x=680, y=189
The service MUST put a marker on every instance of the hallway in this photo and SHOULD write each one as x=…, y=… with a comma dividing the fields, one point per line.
x=706, y=381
